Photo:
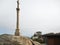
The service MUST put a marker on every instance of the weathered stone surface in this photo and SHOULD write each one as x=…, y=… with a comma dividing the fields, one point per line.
x=20, y=39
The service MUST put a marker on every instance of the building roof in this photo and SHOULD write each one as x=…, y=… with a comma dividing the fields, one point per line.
x=51, y=35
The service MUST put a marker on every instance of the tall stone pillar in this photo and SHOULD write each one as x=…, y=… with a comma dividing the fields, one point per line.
x=17, y=33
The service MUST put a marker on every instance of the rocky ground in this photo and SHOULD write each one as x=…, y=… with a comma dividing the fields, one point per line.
x=21, y=40
x=43, y=44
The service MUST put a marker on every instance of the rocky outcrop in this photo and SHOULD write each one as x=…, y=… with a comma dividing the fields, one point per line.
x=14, y=40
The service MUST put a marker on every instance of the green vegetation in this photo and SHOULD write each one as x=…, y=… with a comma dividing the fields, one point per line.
x=38, y=37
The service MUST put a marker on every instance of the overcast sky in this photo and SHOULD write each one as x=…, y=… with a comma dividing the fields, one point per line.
x=35, y=15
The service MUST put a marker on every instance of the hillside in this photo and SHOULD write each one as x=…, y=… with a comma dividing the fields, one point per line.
x=8, y=39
